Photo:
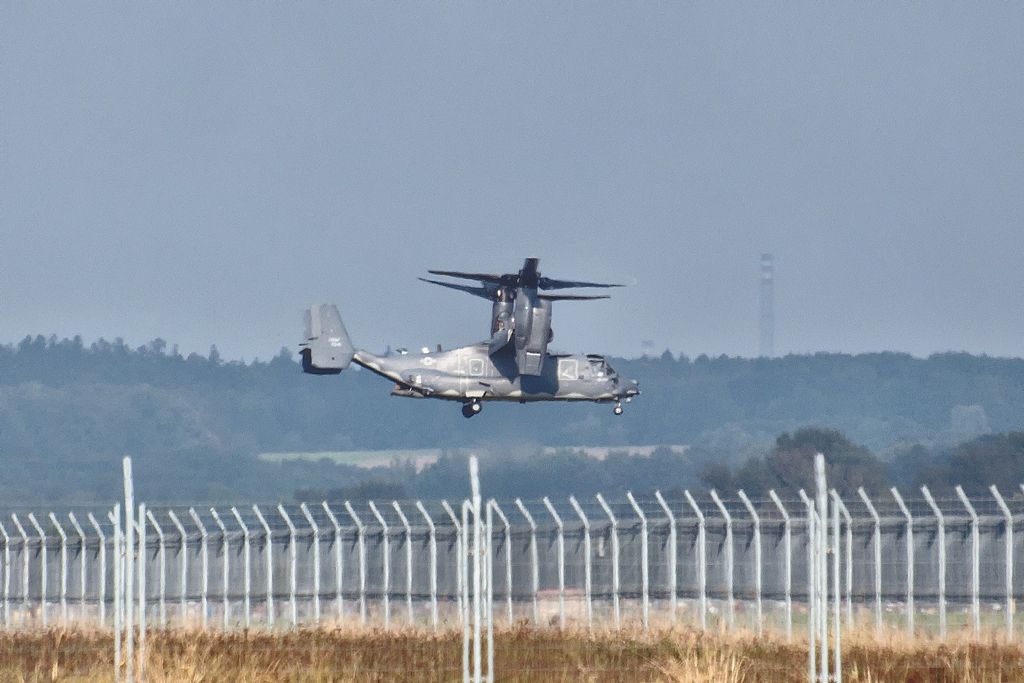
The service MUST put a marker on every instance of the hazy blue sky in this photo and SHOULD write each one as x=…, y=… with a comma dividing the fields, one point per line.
x=201, y=172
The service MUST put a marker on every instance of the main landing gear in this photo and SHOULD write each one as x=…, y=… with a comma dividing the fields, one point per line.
x=471, y=408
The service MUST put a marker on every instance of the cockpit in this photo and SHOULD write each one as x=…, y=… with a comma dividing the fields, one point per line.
x=599, y=367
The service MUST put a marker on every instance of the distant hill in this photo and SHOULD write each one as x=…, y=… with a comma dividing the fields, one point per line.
x=68, y=411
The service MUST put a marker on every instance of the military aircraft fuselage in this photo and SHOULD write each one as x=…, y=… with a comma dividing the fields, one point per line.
x=470, y=372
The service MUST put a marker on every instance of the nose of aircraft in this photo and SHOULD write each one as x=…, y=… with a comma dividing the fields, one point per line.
x=628, y=388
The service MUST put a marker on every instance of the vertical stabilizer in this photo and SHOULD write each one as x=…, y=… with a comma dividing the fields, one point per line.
x=327, y=349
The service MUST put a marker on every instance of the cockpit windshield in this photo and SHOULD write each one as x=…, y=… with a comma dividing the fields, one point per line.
x=599, y=367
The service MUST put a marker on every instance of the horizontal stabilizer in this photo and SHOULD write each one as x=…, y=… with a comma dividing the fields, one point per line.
x=327, y=349
x=570, y=297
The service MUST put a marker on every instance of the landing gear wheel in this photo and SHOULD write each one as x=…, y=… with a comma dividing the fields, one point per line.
x=471, y=409
x=618, y=409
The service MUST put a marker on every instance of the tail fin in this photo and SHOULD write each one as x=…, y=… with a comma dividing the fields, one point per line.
x=327, y=349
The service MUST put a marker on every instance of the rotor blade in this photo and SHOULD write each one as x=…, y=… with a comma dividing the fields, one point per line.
x=549, y=283
x=483, y=292
x=569, y=297
x=481, y=277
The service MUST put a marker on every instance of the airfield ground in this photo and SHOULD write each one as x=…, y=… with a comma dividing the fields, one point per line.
x=521, y=654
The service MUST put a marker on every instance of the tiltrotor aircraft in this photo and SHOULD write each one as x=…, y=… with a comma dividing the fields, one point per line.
x=514, y=365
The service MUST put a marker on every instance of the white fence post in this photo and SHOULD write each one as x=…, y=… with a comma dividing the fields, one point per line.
x=561, y=561
x=161, y=548
x=338, y=566
x=1008, y=545
x=474, y=481
x=7, y=576
x=730, y=597
x=508, y=556
x=586, y=561
x=115, y=520
x=225, y=568
x=432, y=544
x=141, y=527
x=460, y=557
x=42, y=567
x=644, y=567
x=849, y=559
x=408, y=558
x=940, y=537
x=316, y=560
x=246, y=569
x=293, y=566
x=467, y=626
x=101, y=583
x=534, y=570
x=82, y=574
x=910, y=558
x=361, y=544
x=822, y=553
x=268, y=551
x=757, y=558
x=182, y=566
x=613, y=531
x=129, y=569
x=386, y=552
x=63, y=568
x=787, y=570
x=975, y=560
x=812, y=587
x=204, y=559
x=837, y=593
x=670, y=553
x=877, y=538
x=24, y=561
x=701, y=560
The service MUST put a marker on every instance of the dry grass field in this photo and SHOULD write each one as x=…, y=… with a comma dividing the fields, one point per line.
x=521, y=654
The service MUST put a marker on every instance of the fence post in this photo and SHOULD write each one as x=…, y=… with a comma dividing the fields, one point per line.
x=467, y=626
x=163, y=567
x=293, y=562
x=361, y=543
x=316, y=560
x=701, y=560
x=837, y=611
x=877, y=538
x=975, y=560
x=940, y=537
x=268, y=542
x=408, y=558
x=432, y=543
x=474, y=482
x=644, y=567
x=338, y=571
x=1008, y=538
x=757, y=557
x=508, y=556
x=225, y=568
x=586, y=561
x=101, y=584
x=42, y=566
x=849, y=559
x=614, y=532
x=141, y=526
x=821, y=495
x=812, y=587
x=534, y=570
x=7, y=576
x=82, y=564
x=561, y=561
x=460, y=559
x=63, y=568
x=787, y=570
x=24, y=561
x=730, y=598
x=182, y=565
x=670, y=554
x=910, y=558
x=489, y=577
x=129, y=570
x=246, y=569
x=386, y=551
x=115, y=520
x=204, y=558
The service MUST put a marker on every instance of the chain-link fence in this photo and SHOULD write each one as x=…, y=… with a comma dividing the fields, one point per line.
x=920, y=562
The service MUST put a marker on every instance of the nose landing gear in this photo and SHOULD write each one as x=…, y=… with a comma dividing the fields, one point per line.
x=471, y=408
x=617, y=409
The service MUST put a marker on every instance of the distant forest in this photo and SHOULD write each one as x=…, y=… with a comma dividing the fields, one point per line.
x=195, y=423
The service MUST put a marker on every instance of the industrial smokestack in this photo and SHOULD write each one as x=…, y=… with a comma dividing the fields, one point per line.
x=767, y=347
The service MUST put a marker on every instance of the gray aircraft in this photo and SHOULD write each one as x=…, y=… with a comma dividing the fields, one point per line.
x=470, y=374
